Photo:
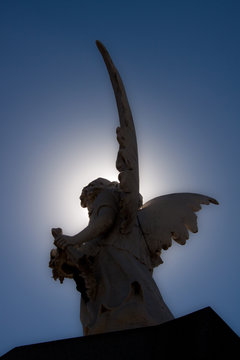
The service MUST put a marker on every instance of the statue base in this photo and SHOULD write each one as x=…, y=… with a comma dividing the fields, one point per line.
x=199, y=335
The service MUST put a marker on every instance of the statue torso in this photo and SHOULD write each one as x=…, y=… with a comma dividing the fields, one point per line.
x=132, y=242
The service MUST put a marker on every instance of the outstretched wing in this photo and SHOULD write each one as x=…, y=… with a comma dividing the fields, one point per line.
x=127, y=159
x=170, y=217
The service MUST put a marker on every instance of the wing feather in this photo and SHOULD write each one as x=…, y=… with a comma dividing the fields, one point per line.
x=170, y=217
x=127, y=158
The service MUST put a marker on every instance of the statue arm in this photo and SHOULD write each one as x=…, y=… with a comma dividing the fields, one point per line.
x=97, y=226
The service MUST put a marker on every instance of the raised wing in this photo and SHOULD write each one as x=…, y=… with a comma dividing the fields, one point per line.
x=127, y=159
x=170, y=217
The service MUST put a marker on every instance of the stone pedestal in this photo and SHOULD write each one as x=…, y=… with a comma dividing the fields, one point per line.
x=200, y=335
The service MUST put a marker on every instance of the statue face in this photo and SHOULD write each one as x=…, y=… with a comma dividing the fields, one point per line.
x=90, y=191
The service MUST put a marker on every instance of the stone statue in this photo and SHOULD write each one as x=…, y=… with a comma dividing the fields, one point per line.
x=112, y=259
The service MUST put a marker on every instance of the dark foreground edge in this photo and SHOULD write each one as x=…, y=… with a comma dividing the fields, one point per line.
x=199, y=335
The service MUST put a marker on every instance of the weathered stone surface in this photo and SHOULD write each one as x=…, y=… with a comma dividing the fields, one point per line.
x=200, y=335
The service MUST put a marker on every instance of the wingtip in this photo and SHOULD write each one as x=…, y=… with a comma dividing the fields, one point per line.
x=100, y=46
x=103, y=51
x=214, y=201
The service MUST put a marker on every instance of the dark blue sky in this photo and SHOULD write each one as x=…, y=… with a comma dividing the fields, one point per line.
x=179, y=61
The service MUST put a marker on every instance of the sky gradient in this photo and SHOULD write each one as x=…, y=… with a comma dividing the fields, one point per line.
x=179, y=61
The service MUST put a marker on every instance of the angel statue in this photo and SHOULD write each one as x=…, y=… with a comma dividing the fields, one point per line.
x=113, y=258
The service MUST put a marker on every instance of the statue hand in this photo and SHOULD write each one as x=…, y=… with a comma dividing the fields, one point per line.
x=64, y=240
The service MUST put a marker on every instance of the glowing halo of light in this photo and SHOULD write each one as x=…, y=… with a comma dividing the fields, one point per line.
x=57, y=181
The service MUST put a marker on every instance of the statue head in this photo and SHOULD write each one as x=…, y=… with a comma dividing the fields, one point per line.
x=90, y=191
